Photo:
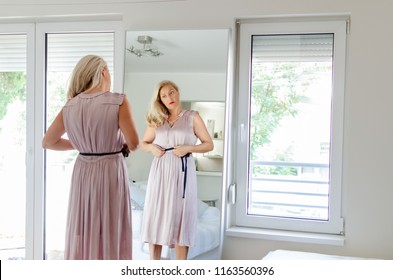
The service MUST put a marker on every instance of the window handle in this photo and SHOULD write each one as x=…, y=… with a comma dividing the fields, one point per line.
x=232, y=194
x=242, y=132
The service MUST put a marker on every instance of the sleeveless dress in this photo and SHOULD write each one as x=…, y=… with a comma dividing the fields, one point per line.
x=99, y=209
x=170, y=212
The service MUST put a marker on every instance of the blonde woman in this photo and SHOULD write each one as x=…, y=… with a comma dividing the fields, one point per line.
x=99, y=124
x=170, y=215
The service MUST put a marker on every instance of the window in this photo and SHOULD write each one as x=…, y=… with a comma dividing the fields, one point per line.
x=13, y=124
x=35, y=62
x=62, y=55
x=64, y=46
x=290, y=125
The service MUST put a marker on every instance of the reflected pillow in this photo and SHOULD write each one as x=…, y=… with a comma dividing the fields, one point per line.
x=202, y=207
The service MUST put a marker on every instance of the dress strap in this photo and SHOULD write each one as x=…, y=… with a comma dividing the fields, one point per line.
x=183, y=168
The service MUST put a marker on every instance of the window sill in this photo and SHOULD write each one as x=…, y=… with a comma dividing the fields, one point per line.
x=288, y=236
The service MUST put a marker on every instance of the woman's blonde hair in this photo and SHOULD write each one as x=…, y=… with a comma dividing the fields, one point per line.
x=86, y=75
x=158, y=113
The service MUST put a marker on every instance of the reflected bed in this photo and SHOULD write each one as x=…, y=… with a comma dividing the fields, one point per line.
x=299, y=255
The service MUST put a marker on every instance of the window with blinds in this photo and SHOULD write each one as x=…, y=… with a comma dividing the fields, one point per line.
x=63, y=51
x=13, y=126
x=290, y=126
x=290, y=120
x=36, y=61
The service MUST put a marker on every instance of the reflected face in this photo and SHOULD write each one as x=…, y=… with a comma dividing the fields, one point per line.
x=169, y=96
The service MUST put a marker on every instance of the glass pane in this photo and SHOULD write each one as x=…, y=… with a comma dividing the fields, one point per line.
x=290, y=126
x=13, y=143
x=63, y=52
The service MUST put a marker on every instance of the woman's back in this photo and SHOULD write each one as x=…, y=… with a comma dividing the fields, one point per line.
x=91, y=122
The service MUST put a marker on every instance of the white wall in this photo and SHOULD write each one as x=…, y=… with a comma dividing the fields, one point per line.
x=368, y=138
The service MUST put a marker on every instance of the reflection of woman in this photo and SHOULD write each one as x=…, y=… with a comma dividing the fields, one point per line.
x=98, y=124
x=170, y=215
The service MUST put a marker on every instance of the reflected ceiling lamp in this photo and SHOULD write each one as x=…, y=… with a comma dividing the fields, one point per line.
x=147, y=50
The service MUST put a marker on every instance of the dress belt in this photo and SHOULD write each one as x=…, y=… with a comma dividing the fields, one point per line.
x=183, y=168
x=100, y=154
x=125, y=151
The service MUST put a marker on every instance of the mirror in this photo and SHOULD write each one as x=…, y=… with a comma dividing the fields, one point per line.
x=196, y=60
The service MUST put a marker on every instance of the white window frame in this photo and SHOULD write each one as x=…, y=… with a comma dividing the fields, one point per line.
x=238, y=223
x=35, y=120
x=42, y=29
x=29, y=30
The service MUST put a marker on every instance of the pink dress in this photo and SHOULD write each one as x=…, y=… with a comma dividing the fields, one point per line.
x=170, y=212
x=99, y=210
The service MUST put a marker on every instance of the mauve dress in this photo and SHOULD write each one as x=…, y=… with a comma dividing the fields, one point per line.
x=169, y=219
x=99, y=210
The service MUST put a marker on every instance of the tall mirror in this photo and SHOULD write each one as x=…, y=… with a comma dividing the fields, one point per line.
x=196, y=60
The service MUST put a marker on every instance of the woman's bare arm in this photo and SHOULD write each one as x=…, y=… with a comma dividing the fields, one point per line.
x=127, y=125
x=53, y=137
x=147, y=142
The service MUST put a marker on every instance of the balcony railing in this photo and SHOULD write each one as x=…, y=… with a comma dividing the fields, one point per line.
x=289, y=190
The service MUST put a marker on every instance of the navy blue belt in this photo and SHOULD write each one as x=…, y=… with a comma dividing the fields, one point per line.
x=125, y=151
x=100, y=154
x=183, y=168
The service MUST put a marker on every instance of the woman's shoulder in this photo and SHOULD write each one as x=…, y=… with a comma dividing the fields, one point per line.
x=189, y=116
x=113, y=97
x=116, y=94
x=71, y=102
x=190, y=113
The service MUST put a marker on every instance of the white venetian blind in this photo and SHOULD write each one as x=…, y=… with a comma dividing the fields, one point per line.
x=66, y=49
x=292, y=48
x=12, y=53
x=64, y=52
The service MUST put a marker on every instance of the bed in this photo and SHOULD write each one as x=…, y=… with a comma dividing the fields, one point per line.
x=299, y=255
x=208, y=229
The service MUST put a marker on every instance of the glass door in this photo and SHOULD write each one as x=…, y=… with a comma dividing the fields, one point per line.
x=13, y=96
x=63, y=52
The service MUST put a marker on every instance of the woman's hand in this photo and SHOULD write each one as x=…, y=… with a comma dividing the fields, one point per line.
x=125, y=150
x=181, y=150
x=156, y=150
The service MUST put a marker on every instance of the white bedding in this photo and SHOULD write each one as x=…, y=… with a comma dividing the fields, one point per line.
x=208, y=231
x=298, y=255
x=208, y=228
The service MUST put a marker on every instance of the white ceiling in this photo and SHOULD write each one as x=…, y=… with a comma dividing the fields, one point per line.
x=196, y=51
